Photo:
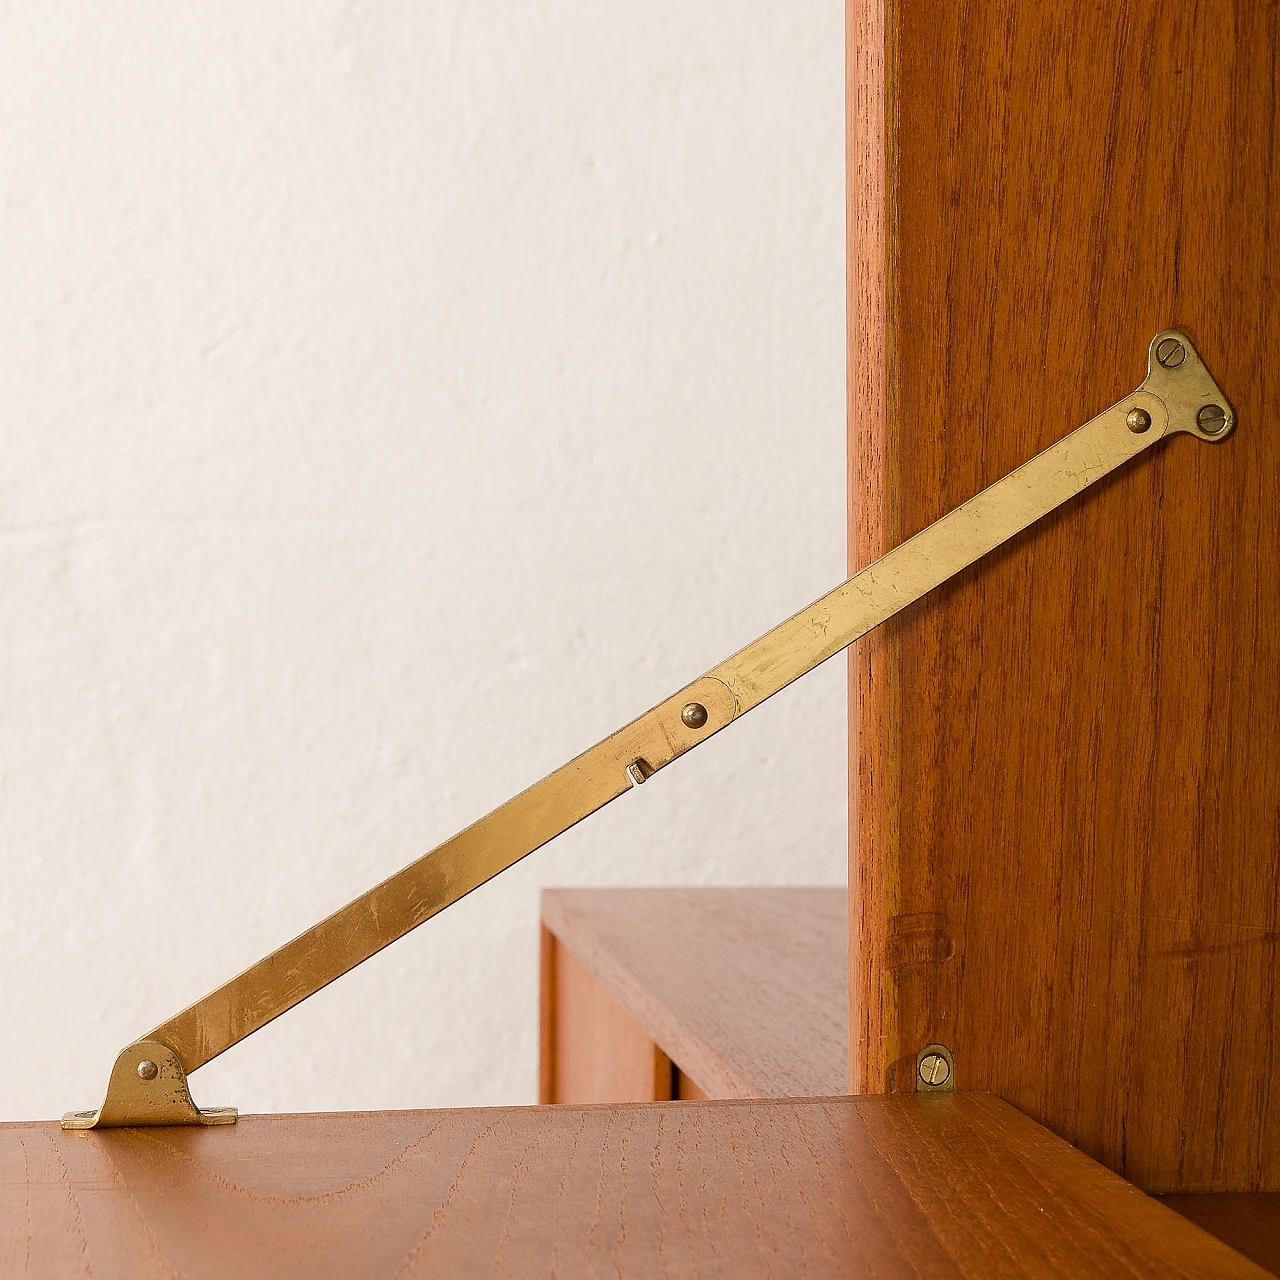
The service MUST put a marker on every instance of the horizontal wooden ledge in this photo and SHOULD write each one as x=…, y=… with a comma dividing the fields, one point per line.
x=892, y=1186
x=746, y=990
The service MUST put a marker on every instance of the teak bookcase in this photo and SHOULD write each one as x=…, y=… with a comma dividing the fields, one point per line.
x=1065, y=781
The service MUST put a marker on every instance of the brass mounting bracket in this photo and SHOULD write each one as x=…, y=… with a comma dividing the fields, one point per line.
x=148, y=1084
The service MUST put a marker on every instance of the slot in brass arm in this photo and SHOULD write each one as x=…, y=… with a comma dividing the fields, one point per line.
x=148, y=1084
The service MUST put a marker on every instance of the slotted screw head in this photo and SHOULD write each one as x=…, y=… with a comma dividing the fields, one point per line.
x=1211, y=419
x=1170, y=352
x=934, y=1069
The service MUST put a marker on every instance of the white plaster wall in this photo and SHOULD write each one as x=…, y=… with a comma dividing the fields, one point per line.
x=394, y=398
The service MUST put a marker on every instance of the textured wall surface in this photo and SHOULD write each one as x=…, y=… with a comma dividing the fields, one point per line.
x=393, y=399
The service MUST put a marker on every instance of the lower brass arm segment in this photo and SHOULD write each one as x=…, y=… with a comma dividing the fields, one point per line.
x=149, y=1082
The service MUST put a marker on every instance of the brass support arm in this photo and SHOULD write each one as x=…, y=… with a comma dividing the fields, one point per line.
x=148, y=1083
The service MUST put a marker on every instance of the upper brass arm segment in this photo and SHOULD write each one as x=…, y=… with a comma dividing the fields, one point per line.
x=148, y=1084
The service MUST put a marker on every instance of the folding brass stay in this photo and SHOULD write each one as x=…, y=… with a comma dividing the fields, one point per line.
x=148, y=1083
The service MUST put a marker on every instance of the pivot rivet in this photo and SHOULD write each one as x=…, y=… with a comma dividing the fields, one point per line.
x=1138, y=420
x=147, y=1070
x=694, y=715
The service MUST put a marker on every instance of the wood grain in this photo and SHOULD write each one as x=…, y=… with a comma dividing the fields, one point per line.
x=598, y=1053
x=1066, y=764
x=959, y=1185
x=1248, y=1221
x=743, y=989
x=546, y=1015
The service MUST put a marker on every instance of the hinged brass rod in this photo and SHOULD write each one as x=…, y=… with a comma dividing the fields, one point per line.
x=148, y=1084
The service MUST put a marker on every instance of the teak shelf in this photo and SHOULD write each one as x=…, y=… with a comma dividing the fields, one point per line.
x=652, y=994
x=955, y=1185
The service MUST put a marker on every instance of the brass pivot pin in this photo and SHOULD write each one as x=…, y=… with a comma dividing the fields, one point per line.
x=149, y=1082
x=694, y=715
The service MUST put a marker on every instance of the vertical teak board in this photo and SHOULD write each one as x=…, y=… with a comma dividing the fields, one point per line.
x=591, y=1050
x=1065, y=764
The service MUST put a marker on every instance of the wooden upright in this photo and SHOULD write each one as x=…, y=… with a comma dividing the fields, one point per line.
x=1066, y=763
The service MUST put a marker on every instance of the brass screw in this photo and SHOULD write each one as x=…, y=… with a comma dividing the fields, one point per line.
x=1170, y=352
x=1211, y=419
x=694, y=715
x=147, y=1070
x=1138, y=420
x=934, y=1069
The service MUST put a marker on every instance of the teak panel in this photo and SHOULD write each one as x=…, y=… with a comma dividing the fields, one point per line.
x=1066, y=762
x=592, y=1049
x=745, y=990
x=959, y=1185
